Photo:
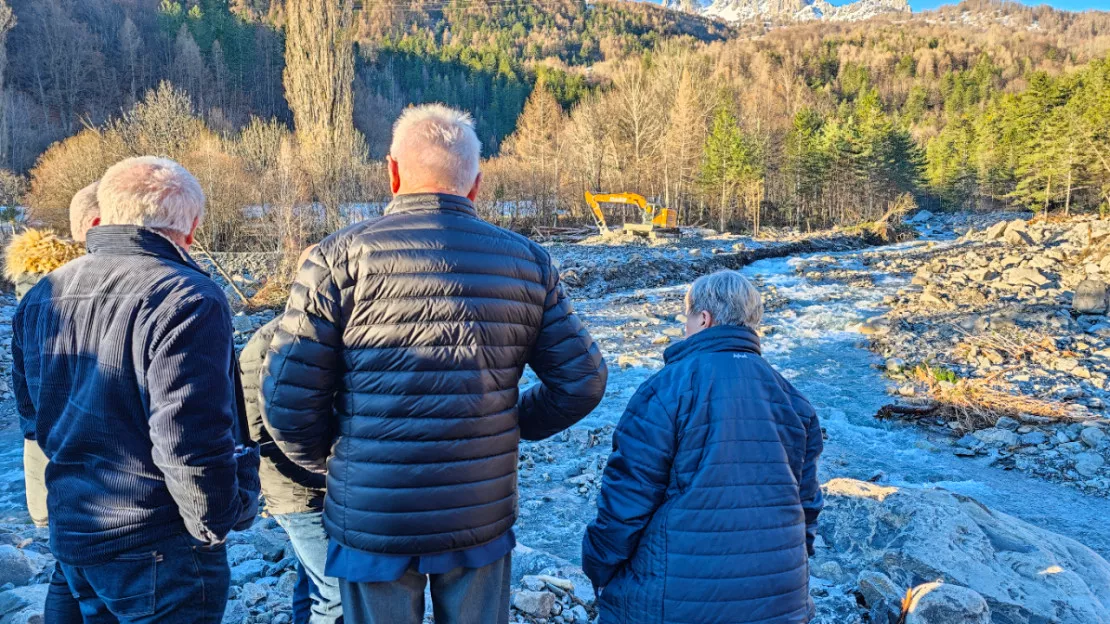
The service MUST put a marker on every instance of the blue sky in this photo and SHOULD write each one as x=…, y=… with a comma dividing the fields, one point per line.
x=1070, y=5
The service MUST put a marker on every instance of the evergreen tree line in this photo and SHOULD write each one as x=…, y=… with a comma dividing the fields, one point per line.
x=807, y=126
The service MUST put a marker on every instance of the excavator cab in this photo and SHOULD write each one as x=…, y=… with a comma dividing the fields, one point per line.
x=657, y=222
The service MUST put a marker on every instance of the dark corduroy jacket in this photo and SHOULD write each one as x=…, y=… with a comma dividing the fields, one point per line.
x=125, y=375
x=288, y=488
x=710, y=499
x=396, y=370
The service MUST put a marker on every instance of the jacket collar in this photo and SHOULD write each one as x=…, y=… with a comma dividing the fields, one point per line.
x=418, y=202
x=714, y=340
x=126, y=240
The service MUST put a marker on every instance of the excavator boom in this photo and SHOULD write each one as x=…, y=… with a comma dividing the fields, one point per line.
x=654, y=218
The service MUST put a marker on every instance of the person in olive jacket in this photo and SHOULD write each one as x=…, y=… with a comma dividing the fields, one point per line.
x=708, y=506
x=395, y=371
x=294, y=496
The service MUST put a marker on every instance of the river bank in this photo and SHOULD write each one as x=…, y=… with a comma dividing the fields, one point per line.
x=898, y=513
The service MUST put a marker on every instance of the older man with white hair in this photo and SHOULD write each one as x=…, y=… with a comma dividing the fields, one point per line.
x=395, y=371
x=708, y=507
x=124, y=370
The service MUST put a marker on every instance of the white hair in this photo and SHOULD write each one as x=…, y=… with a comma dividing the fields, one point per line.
x=83, y=210
x=150, y=192
x=728, y=297
x=436, y=146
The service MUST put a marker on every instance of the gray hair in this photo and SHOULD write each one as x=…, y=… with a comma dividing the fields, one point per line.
x=435, y=145
x=728, y=297
x=83, y=210
x=150, y=192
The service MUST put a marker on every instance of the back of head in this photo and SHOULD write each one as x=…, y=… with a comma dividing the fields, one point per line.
x=436, y=150
x=150, y=192
x=728, y=297
x=83, y=212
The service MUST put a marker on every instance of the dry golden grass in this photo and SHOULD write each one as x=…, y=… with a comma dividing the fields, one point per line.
x=273, y=295
x=979, y=403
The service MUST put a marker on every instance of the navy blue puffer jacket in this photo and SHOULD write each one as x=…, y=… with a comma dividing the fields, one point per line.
x=709, y=503
x=395, y=370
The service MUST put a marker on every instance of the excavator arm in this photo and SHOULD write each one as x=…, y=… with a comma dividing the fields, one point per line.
x=660, y=218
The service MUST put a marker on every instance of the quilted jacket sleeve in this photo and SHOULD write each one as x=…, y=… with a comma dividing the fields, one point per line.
x=810, y=487
x=634, y=485
x=304, y=367
x=570, y=367
x=250, y=364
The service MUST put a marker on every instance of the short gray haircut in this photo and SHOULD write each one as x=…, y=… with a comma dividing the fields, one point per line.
x=728, y=297
x=83, y=210
x=155, y=193
x=435, y=145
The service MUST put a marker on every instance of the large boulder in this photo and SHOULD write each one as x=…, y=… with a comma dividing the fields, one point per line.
x=943, y=603
x=1091, y=297
x=915, y=536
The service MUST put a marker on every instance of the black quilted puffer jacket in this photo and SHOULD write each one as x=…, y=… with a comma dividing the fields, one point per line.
x=396, y=366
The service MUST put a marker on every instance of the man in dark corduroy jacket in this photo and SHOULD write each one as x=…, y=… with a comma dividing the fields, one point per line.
x=124, y=370
x=395, y=370
x=708, y=507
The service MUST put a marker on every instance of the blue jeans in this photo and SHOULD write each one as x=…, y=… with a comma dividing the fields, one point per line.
x=461, y=596
x=316, y=598
x=61, y=607
x=174, y=580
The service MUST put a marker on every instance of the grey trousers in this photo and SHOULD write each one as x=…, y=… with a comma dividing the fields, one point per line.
x=461, y=596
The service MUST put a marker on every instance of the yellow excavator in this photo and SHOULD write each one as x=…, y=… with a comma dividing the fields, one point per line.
x=657, y=221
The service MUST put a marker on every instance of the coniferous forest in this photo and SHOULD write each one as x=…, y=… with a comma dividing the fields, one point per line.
x=986, y=105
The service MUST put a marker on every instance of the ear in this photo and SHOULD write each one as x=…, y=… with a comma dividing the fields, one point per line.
x=192, y=236
x=394, y=175
x=705, y=318
x=473, y=194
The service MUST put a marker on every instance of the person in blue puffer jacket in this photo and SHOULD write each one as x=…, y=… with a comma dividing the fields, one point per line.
x=708, y=508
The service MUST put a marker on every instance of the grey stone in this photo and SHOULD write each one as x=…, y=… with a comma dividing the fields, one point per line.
x=1027, y=277
x=877, y=587
x=969, y=441
x=1092, y=436
x=247, y=571
x=535, y=603
x=1018, y=237
x=252, y=594
x=22, y=604
x=242, y=323
x=942, y=603
x=1020, y=570
x=241, y=552
x=578, y=615
x=895, y=365
x=1007, y=423
x=996, y=231
x=1091, y=297
x=997, y=437
x=1088, y=463
x=1033, y=438
x=16, y=567
x=287, y=582
x=236, y=612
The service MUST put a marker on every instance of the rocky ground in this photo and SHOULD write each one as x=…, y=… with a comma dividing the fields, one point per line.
x=1011, y=322
x=886, y=530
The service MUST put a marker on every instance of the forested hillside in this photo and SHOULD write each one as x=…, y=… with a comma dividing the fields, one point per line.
x=987, y=104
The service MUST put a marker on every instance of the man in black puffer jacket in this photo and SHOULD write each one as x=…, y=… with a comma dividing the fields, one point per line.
x=396, y=368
